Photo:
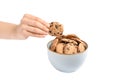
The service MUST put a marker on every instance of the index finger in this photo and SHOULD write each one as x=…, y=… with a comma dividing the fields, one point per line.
x=37, y=19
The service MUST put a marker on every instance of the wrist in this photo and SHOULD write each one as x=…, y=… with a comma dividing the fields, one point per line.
x=13, y=32
x=9, y=31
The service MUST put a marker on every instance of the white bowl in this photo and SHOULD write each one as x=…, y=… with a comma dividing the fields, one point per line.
x=66, y=63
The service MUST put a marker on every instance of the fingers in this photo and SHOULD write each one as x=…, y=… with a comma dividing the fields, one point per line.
x=34, y=23
x=27, y=33
x=33, y=26
x=34, y=30
x=37, y=19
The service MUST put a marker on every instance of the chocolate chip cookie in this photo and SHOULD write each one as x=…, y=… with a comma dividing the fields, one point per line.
x=70, y=48
x=59, y=48
x=68, y=44
x=68, y=41
x=70, y=36
x=56, y=29
x=54, y=44
x=81, y=47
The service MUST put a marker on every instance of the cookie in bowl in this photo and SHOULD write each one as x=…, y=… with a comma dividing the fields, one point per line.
x=68, y=44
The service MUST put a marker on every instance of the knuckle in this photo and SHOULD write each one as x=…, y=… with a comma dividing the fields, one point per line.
x=35, y=23
x=23, y=20
x=34, y=30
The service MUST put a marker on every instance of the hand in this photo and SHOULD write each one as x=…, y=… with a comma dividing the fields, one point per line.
x=32, y=26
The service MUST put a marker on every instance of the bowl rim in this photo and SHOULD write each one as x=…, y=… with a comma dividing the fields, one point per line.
x=67, y=54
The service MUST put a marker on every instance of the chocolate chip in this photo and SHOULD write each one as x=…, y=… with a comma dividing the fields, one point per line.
x=58, y=33
x=49, y=31
x=56, y=26
x=68, y=48
x=54, y=34
x=60, y=25
x=51, y=23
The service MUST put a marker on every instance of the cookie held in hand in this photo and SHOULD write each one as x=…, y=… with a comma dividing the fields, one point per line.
x=56, y=29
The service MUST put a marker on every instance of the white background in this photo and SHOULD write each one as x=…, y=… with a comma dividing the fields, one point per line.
x=95, y=21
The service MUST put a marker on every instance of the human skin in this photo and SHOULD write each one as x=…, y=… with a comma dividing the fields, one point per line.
x=29, y=26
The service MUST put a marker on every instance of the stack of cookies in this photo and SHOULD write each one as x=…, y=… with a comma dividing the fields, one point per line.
x=65, y=44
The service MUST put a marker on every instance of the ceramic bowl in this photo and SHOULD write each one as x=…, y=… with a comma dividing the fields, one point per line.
x=64, y=62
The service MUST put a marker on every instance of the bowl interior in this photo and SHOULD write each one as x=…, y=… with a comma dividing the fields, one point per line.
x=50, y=42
